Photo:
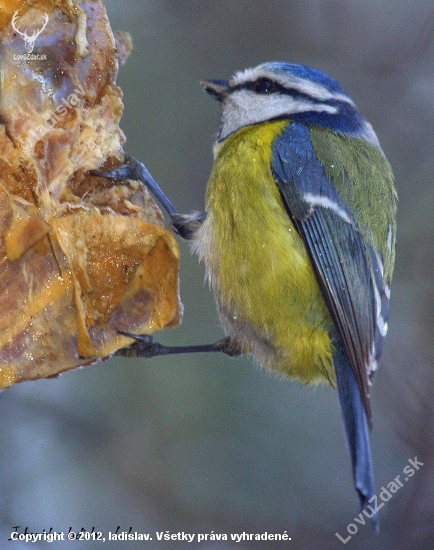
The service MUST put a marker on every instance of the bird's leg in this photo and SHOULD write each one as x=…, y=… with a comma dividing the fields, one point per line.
x=146, y=346
x=185, y=225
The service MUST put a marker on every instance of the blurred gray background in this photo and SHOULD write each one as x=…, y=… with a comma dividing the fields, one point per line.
x=206, y=443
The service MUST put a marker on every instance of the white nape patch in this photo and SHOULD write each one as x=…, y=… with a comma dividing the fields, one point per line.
x=325, y=202
x=302, y=85
x=382, y=326
x=245, y=107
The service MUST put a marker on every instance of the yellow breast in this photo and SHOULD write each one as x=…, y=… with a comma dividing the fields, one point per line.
x=265, y=288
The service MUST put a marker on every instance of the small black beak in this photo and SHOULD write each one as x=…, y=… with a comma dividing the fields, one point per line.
x=217, y=89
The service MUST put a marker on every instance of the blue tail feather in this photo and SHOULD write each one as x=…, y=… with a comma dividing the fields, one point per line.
x=356, y=430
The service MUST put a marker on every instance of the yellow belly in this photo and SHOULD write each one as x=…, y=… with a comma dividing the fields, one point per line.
x=265, y=288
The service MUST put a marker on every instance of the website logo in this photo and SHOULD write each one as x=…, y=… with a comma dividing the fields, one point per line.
x=29, y=40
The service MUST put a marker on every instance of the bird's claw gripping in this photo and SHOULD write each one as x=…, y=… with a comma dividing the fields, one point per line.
x=185, y=225
x=122, y=173
x=144, y=346
x=136, y=170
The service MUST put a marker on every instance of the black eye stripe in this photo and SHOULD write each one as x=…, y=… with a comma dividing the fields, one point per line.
x=266, y=86
x=261, y=86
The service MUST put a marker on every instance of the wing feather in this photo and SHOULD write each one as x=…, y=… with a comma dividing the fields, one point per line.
x=343, y=283
x=342, y=261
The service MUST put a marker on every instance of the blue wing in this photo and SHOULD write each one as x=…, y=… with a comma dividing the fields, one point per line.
x=348, y=273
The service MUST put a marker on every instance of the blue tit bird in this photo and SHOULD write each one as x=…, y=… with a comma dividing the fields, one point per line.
x=298, y=238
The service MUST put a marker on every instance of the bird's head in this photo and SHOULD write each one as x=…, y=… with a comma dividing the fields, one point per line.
x=279, y=90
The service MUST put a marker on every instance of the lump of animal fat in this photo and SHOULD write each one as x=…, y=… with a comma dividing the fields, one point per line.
x=81, y=258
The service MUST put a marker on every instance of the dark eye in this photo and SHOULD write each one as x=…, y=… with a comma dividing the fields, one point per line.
x=264, y=86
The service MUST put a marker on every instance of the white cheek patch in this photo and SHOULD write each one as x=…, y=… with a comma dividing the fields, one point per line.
x=244, y=108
